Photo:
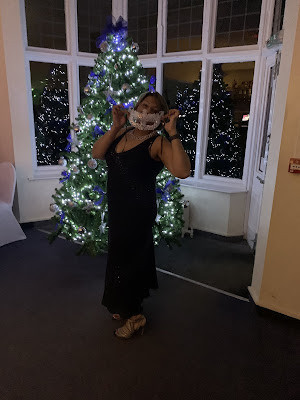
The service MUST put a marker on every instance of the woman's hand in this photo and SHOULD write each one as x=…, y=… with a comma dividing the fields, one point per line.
x=119, y=116
x=169, y=121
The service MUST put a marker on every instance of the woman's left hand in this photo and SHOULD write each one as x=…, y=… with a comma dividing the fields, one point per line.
x=169, y=121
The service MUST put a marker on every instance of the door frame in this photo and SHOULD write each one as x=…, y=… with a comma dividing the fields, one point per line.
x=269, y=59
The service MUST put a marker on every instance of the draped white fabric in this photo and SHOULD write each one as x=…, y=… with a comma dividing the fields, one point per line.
x=10, y=230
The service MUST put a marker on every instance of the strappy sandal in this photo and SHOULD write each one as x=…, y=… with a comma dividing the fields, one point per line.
x=132, y=326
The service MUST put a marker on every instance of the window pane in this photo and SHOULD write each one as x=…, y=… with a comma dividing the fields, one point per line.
x=237, y=22
x=182, y=91
x=184, y=26
x=151, y=73
x=92, y=19
x=49, y=85
x=229, y=117
x=142, y=24
x=45, y=22
x=279, y=8
x=83, y=80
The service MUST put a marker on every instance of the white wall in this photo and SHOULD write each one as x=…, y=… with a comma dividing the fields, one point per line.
x=34, y=196
x=216, y=212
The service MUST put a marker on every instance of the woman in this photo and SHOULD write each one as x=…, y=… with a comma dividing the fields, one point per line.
x=135, y=155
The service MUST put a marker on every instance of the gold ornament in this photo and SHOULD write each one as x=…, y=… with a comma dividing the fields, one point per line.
x=81, y=230
x=62, y=161
x=76, y=128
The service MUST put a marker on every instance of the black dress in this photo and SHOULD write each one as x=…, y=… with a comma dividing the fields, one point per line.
x=131, y=194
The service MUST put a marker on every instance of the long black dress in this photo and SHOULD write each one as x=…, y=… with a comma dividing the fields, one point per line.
x=131, y=194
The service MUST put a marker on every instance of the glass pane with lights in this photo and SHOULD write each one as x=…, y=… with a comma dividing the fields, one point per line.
x=237, y=22
x=83, y=80
x=92, y=19
x=184, y=26
x=45, y=21
x=181, y=89
x=49, y=85
x=142, y=24
x=229, y=119
x=151, y=76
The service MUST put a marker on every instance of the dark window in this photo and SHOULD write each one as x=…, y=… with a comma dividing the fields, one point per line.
x=142, y=24
x=92, y=19
x=49, y=85
x=182, y=91
x=229, y=117
x=184, y=25
x=45, y=22
x=237, y=22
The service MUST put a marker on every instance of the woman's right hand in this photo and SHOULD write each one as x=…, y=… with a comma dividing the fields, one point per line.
x=119, y=116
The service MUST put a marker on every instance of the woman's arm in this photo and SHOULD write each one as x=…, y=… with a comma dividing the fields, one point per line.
x=101, y=146
x=173, y=154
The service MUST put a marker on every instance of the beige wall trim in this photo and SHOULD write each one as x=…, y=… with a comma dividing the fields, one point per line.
x=265, y=304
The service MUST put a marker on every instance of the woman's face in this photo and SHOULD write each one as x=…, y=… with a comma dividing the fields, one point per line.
x=150, y=105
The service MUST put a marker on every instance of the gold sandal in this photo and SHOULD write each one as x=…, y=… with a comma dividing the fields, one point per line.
x=132, y=326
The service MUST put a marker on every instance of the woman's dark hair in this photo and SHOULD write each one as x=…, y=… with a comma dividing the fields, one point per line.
x=159, y=98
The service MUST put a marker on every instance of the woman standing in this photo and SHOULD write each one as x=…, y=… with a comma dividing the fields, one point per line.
x=135, y=155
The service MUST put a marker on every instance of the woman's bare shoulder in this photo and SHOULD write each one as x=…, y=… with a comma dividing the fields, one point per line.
x=158, y=146
x=121, y=131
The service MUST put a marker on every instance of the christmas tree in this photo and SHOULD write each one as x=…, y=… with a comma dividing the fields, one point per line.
x=80, y=204
x=224, y=152
x=187, y=101
x=52, y=118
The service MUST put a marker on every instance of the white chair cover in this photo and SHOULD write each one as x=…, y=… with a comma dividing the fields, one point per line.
x=10, y=230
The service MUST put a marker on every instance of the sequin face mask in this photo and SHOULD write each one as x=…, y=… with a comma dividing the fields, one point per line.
x=143, y=120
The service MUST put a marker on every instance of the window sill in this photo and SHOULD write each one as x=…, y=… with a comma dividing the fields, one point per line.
x=236, y=186
x=218, y=185
x=46, y=172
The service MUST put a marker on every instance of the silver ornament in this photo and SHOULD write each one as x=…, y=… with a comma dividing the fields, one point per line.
x=104, y=47
x=90, y=117
x=92, y=163
x=102, y=228
x=62, y=161
x=53, y=207
x=72, y=204
x=81, y=230
x=74, y=149
x=126, y=87
x=135, y=47
x=89, y=206
x=157, y=219
x=75, y=169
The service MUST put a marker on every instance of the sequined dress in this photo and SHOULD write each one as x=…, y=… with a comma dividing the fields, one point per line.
x=131, y=194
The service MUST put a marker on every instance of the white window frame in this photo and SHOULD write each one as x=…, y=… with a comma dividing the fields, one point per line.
x=207, y=55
